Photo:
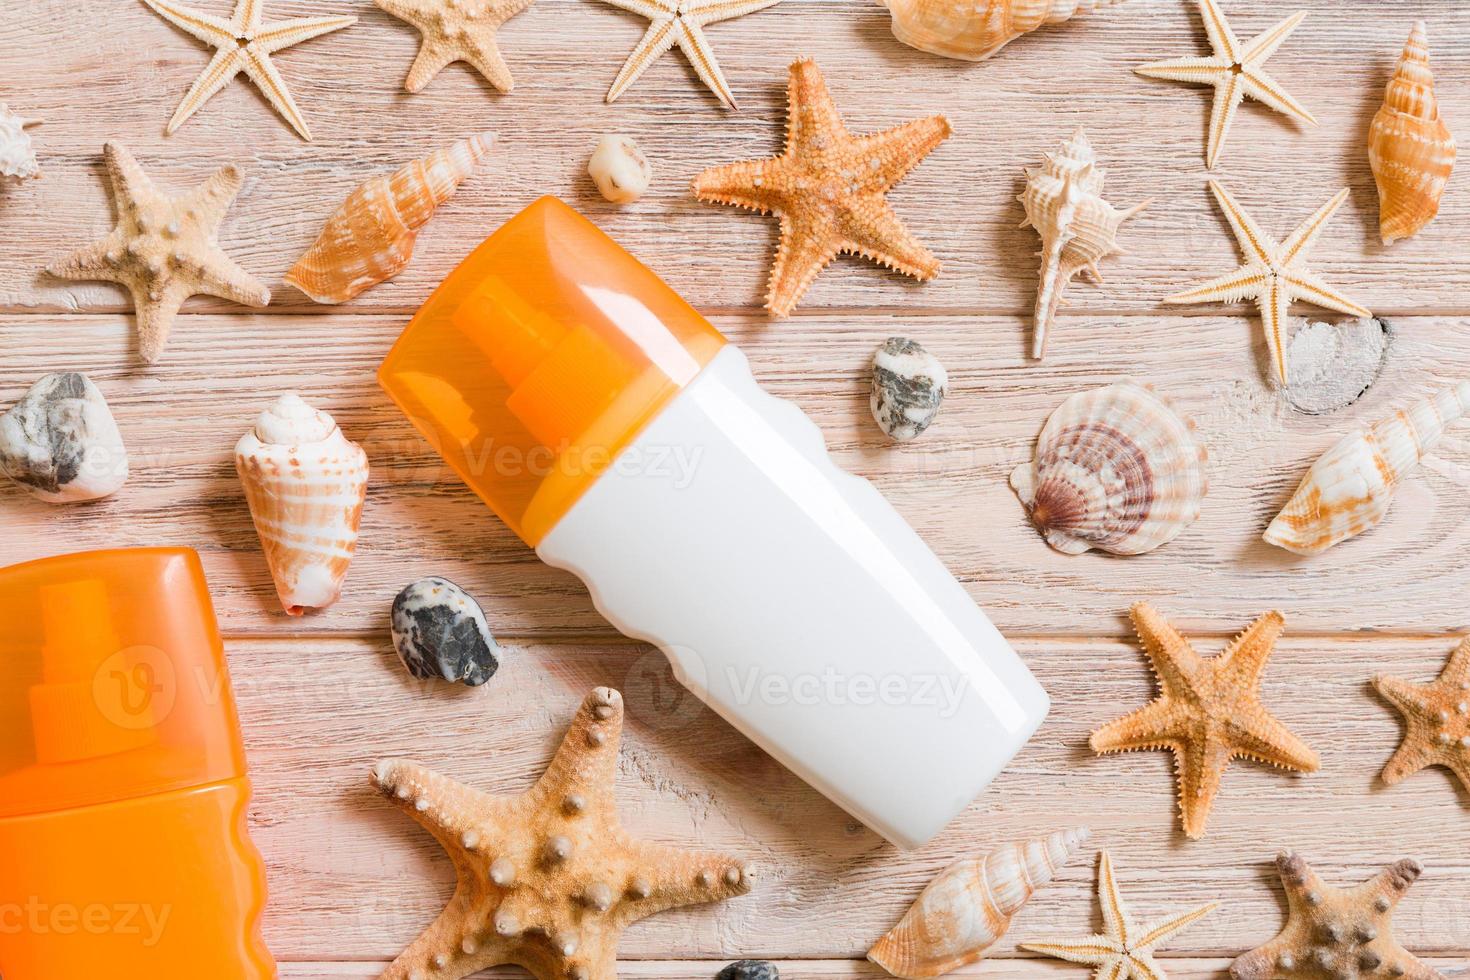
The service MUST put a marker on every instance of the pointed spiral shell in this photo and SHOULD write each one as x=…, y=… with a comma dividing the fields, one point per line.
x=1410, y=148
x=973, y=30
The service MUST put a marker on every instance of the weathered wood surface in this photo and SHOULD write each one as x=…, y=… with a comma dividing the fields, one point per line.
x=1179, y=969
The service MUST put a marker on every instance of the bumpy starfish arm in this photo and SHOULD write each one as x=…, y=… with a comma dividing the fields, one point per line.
x=1173, y=659
x=813, y=119
x=1306, y=234
x=586, y=763
x=804, y=252
x=890, y=155
x=1201, y=769
x=209, y=29
x=1414, y=752
x=484, y=56
x=447, y=933
x=212, y=199
x=1217, y=29
x=1245, y=658
x=222, y=68
x=443, y=807
x=659, y=37
x=1275, y=306
x=89, y=262
x=1309, y=287
x=1116, y=920
x=1259, y=736
x=1229, y=92
x=288, y=33
x=673, y=878
x=877, y=234
x=221, y=277
x=1154, y=726
x=1304, y=889
x=696, y=47
x=1261, y=963
x=416, y=12
x=155, y=313
x=1392, y=882
x=705, y=12
x=1094, y=950
x=754, y=185
x=433, y=57
x=1265, y=44
x=129, y=183
x=262, y=71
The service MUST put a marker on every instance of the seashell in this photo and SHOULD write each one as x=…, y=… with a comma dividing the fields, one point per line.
x=439, y=630
x=619, y=169
x=909, y=384
x=973, y=30
x=17, y=155
x=1078, y=229
x=969, y=906
x=60, y=442
x=305, y=483
x=1409, y=146
x=1117, y=469
x=749, y=970
x=1349, y=489
x=370, y=238
x=1330, y=366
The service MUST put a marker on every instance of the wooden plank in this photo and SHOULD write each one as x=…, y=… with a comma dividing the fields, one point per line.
x=351, y=876
x=1408, y=576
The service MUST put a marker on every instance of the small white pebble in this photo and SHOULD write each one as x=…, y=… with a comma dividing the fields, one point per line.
x=620, y=170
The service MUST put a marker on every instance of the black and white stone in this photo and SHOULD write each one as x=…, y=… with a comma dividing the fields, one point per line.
x=61, y=443
x=909, y=384
x=439, y=630
x=750, y=970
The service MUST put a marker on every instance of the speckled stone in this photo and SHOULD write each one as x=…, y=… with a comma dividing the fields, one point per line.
x=61, y=443
x=1331, y=365
x=909, y=384
x=750, y=970
x=439, y=630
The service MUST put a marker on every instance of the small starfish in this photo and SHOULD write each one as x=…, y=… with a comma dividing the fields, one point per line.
x=1273, y=274
x=164, y=249
x=681, y=23
x=1437, y=717
x=457, y=30
x=1207, y=713
x=1236, y=70
x=243, y=45
x=1337, y=934
x=1124, y=950
x=548, y=879
x=829, y=189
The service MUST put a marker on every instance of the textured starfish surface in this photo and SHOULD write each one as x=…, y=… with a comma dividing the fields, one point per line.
x=1437, y=719
x=164, y=248
x=681, y=24
x=1207, y=713
x=1124, y=950
x=457, y=30
x=829, y=189
x=1336, y=934
x=1273, y=275
x=1235, y=70
x=243, y=44
x=547, y=880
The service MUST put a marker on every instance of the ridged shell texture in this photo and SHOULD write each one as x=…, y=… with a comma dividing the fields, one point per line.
x=17, y=155
x=973, y=30
x=1410, y=148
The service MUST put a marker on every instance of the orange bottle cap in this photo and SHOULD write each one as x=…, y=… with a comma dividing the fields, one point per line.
x=540, y=358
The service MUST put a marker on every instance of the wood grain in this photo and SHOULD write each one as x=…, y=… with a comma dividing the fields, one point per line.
x=1179, y=969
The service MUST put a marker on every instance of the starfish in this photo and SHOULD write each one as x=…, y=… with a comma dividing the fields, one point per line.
x=164, y=249
x=457, y=30
x=1124, y=950
x=681, y=23
x=1336, y=934
x=829, y=190
x=1235, y=70
x=547, y=880
x=1207, y=713
x=1273, y=274
x=243, y=44
x=1437, y=717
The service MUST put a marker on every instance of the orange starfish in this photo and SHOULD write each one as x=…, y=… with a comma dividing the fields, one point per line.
x=1208, y=712
x=829, y=190
x=1438, y=720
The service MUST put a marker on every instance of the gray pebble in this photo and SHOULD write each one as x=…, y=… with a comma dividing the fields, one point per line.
x=750, y=970
x=439, y=630
x=1329, y=366
x=61, y=443
x=909, y=384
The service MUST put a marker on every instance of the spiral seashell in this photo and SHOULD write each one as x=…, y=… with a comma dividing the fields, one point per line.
x=305, y=483
x=1116, y=469
x=1410, y=148
x=17, y=155
x=969, y=906
x=973, y=30
x=370, y=239
x=1349, y=489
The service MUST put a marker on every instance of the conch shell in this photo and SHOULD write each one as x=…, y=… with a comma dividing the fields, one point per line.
x=1117, y=469
x=1409, y=146
x=969, y=906
x=973, y=30
x=305, y=483
x=17, y=155
x=1078, y=229
x=370, y=238
x=1348, y=490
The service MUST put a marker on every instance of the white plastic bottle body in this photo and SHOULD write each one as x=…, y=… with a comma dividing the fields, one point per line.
x=793, y=599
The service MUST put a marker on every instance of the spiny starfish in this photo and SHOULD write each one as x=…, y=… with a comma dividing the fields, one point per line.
x=1336, y=934
x=547, y=880
x=1235, y=70
x=457, y=30
x=164, y=248
x=1437, y=717
x=1207, y=713
x=681, y=23
x=243, y=45
x=1273, y=274
x=1124, y=950
x=829, y=190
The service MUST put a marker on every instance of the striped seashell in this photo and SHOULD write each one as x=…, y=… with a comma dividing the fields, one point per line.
x=1349, y=489
x=973, y=30
x=1410, y=148
x=1117, y=469
x=305, y=483
x=969, y=906
x=371, y=237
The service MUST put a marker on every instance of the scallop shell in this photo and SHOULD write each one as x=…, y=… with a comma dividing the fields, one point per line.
x=1116, y=469
x=1349, y=489
x=305, y=483
x=1078, y=229
x=969, y=906
x=1409, y=145
x=973, y=30
x=17, y=155
x=370, y=239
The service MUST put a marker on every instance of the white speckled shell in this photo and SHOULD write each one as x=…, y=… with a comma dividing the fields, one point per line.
x=973, y=30
x=1349, y=489
x=969, y=906
x=17, y=155
x=1117, y=469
